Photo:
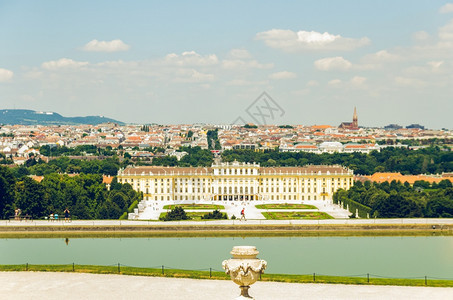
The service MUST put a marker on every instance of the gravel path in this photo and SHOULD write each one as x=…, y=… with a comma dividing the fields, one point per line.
x=36, y=285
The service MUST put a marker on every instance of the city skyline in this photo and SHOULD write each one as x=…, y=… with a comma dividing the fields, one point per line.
x=199, y=62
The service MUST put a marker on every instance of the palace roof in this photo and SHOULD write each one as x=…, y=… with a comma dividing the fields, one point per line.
x=309, y=169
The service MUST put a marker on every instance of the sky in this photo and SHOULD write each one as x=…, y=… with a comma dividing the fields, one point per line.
x=179, y=62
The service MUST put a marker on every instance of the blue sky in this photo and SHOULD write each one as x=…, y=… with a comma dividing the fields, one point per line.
x=207, y=61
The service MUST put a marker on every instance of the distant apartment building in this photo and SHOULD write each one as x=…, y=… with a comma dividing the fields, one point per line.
x=330, y=147
x=237, y=182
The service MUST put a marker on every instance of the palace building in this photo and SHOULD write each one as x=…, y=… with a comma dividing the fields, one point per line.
x=237, y=182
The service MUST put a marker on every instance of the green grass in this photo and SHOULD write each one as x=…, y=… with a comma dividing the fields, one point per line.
x=196, y=206
x=285, y=206
x=220, y=275
x=194, y=216
x=296, y=215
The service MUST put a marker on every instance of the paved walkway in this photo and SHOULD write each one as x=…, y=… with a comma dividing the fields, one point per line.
x=440, y=222
x=154, y=209
x=35, y=285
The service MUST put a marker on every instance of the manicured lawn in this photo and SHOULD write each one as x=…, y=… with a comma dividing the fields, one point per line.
x=296, y=215
x=195, y=206
x=217, y=274
x=285, y=206
x=195, y=216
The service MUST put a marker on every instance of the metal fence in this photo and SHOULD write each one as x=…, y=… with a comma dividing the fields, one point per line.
x=162, y=269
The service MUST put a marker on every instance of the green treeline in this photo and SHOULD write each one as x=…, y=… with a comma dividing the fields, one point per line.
x=84, y=195
x=53, y=150
x=427, y=160
x=196, y=157
x=397, y=200
x=64, y=164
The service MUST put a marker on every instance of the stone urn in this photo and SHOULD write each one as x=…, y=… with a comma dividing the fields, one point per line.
x=244, y=268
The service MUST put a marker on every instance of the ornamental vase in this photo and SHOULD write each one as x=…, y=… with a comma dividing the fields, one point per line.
x=244, y=268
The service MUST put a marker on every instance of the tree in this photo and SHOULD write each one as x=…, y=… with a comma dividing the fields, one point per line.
x=397, y=206
x=445, y=184
x=7, y=183
x=31, y=197
x=175, y=214
x=440, y=207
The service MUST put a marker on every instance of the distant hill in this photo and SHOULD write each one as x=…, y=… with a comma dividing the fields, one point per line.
x=31, y=117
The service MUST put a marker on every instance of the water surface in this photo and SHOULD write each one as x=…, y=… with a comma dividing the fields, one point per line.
x=413, y=256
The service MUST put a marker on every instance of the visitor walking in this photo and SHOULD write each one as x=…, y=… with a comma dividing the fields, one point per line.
x=243, y=214
x=66, y=215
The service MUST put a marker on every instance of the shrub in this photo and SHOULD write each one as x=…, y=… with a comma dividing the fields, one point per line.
x=215, y=215
x=124, y=216
x=132, y=206
x=177, y=213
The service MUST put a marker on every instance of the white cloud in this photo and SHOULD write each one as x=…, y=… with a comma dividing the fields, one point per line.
x=381, y=56
x=190, y=58
x=244, y=64
x=106, y=46
x=446, y=32
x=190, y=75
x=335, y=83
x=420, y=36
x=243, y=82
x=5, y=75
x=357, y=81
x=428, y=69
x=302, y=92
x=291, y=41
x=333, y=63
x=435, y=65
x=240, y=54
x=409, y=82
x=283, y=75
x=241, y=59
x=33, y=74
x=119, y=64
x=63, y=63
x=312, y=83
x=447, y=8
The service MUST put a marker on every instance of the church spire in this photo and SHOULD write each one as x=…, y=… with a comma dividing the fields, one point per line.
x=355, y=119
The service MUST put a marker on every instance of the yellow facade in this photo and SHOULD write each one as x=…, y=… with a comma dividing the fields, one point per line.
x=237, y=182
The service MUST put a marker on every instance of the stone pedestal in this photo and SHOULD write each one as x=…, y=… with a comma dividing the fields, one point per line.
x=244, y=268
